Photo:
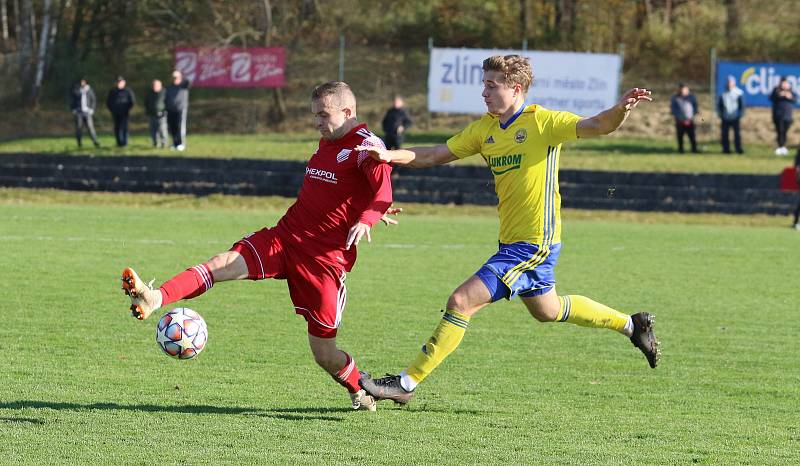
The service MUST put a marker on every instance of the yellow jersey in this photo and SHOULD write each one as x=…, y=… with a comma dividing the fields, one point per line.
x=523, y=156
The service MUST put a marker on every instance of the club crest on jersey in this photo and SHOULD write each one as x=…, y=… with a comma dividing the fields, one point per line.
x=521, y=136
x=342, y=155
x=490, y=140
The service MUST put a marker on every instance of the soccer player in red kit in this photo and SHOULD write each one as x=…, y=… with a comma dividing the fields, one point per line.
x=344, y=193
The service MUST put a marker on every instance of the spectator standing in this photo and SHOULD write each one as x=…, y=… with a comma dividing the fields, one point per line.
x=797, y=174
x=155, y=107
x=783, y=100
x=395, y=124
x=683, y=106
x=83, y=103
x=120, y=101
x=730, y=108
x=177, y=104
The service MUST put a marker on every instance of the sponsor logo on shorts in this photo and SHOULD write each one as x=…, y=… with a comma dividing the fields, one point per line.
x=322, y=175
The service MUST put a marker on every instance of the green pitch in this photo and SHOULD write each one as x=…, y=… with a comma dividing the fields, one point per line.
x=84, y=383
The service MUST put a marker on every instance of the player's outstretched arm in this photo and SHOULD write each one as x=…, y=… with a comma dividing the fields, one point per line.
x=610, y=120
x=414, y=157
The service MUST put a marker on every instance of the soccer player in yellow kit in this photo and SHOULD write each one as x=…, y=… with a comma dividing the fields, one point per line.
x=521, y=145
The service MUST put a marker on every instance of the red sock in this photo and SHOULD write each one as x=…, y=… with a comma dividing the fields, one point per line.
x=348, y=376
x=190, y=283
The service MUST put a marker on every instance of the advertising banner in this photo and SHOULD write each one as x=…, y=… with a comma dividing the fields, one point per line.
x=757, y=80
x=231, y=66
x=582, y=83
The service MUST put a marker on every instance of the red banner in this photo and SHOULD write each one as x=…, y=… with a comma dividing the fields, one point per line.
x=231, y=66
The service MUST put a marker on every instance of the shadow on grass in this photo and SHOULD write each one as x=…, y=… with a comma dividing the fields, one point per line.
x=21, y=420
x=303, y=414
x=426, y=408
x=188, y=409
x=307, y=414
x=288, y=414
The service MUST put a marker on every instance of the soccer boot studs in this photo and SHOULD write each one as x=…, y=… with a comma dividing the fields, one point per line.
x=144, y=299
x=644, y=338
x=386, y=388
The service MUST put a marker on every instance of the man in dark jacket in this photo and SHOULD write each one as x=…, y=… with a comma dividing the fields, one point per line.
x=120, y=101
x=155, y=107
x=730, y=108
x=395, y=124
x=797, y=174
x=83, y=104
x=783, y=100
x=177, y=103
x=683, y=107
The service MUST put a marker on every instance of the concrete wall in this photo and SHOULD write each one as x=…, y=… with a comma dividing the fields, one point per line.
x=737, y=194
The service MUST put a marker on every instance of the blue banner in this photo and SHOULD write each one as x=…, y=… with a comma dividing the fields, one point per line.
x=757, y=80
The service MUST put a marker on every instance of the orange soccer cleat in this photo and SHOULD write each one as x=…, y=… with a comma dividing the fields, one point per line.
x=144, y=299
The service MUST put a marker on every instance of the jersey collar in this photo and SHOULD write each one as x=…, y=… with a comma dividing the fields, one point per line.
x=513, y=118
x=343, y=140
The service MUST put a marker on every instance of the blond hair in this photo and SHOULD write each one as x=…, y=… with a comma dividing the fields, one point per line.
x=515, y=68
x=340, y=93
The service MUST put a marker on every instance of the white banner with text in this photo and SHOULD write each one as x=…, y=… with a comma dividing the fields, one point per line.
x=582, y=83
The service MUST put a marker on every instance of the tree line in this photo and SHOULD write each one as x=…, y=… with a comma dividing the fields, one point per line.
x=58, y=40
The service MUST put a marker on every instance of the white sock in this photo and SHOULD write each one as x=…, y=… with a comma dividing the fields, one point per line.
x=407, y=382
x=628, y=330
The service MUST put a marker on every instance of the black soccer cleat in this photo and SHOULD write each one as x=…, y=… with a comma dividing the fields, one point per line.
x=385, y=388
x=644, y=338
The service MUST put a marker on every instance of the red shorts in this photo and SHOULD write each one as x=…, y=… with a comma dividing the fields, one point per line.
x=317, y=289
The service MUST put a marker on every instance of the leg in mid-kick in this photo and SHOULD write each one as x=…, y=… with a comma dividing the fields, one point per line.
x=192, y=282
x=580, y=310
x=342, y=368
x=470, y=297
x=523, y=269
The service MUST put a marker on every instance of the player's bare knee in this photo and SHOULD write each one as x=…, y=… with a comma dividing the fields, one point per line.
x=544, y=313
x=457, y=302
x=224, y=266
x=218, y=262
x=541, y=317
x=325, y=359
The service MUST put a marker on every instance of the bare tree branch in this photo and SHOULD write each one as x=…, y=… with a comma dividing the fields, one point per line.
x=4, y=20
x=25, y=46
x=42, y=55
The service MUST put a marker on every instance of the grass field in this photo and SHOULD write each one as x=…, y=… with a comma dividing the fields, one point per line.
x=611, y=154
x=85, y=383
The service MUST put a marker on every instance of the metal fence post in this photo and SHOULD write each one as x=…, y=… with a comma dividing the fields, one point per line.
x=341, y=57
x=712, y=75
x=621, y=53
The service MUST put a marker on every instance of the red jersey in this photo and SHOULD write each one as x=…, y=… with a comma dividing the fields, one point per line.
x=341, y=188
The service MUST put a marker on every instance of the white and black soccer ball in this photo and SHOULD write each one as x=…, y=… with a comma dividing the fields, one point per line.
x=182, y=333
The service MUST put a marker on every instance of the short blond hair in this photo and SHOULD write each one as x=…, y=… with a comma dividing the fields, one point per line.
x=340, y=93
x=515, y=68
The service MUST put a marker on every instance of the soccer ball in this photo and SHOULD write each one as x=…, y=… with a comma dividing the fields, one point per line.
x=182, y=333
